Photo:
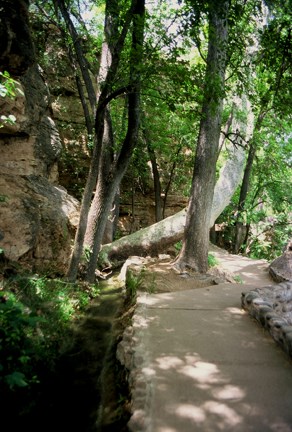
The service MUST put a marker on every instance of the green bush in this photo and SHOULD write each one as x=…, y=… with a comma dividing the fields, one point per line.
x=212, y=261
x=17, y=329
x=36, y=316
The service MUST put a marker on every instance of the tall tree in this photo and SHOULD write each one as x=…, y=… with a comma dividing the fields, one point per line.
x=272, y=81
x=105, y=170
x=194, y=253
x=112, y=171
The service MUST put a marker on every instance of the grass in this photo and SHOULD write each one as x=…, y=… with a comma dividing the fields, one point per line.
x=212, y=260
x=133, y=283
x=238, y=279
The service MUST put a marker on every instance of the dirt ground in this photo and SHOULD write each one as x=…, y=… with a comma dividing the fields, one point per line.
x=159, y=275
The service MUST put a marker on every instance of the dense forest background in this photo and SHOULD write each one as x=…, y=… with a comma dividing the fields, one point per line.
x=118, y=115
x=255, y=114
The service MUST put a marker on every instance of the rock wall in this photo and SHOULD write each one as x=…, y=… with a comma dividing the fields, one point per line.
x=37, y=217
x=271, y=306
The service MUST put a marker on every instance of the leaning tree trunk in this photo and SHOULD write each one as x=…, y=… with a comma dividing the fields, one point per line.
x=194, y=253
x=156, y=238
x=76, y=40
x=241, y=131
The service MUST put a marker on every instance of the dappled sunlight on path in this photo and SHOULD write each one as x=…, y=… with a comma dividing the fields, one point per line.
x=251, y=271
x=205, y=365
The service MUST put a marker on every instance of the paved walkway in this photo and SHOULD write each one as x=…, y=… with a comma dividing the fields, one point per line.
x=202, y=364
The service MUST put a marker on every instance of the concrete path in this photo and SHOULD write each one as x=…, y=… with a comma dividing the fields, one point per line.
x=202, y=364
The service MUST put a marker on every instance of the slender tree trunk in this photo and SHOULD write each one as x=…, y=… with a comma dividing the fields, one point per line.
x=108, y=69
x=194, y=253
x=107, y=186
x=79, y=53
x=170, y=180
x=155, y=172
x=157, y=185
x=87, y=116
x=112, y=220
x=76, y=57
x=240, y=229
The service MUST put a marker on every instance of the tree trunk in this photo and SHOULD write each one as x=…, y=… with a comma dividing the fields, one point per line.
x=107, y=72
x=156, y=238
x=232, y=170
x=238, y=236
x=112, y=174
x=155, y=172
x=79, y=53
x=112, y=220
x=105, y=163
x=170, y=180
x=194, y=253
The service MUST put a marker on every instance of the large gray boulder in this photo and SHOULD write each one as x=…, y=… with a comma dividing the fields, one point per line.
x=37, y=221
x=281, y=268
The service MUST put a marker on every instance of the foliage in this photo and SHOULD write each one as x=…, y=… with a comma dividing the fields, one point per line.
x=178, y=246
x=238, y=279
x=133, y=283
x=176, y=40
x=212, y=260
x=269, y=237
x=9, y=89
x=36, y=314
x=7, y=85
x=18, y=325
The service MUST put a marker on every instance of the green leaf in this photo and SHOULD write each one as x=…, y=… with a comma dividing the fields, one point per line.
x=16, y=379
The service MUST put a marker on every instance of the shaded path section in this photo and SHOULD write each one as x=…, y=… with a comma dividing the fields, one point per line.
x=200, y=363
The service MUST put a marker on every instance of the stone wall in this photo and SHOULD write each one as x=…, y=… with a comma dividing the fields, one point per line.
x=271, y=306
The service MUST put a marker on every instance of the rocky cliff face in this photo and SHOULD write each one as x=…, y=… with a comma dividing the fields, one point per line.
x=37, y=217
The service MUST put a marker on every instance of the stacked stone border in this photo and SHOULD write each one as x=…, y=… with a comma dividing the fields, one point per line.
x=271, y=306
x=132, y=354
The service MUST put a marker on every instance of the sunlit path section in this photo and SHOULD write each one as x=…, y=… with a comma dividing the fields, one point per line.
x=202, y=364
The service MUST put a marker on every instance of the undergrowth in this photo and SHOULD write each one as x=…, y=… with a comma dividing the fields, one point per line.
x=212, y=260
x=36, y=314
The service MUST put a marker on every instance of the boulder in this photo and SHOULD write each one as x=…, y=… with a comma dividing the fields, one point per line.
x=281, y=268
x=37, y=221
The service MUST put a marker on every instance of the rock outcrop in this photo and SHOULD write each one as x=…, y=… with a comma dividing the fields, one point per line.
x=281, y=268
x=37, y=217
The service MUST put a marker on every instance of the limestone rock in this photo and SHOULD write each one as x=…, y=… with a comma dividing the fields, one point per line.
x=281, y=268
x=37, y=220
x=37, y=217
